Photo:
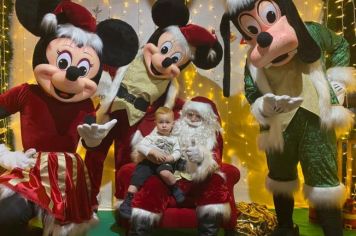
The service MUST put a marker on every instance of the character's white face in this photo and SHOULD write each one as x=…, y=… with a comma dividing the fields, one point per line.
x=193, y=118
x=164, y=123
x=68, y=75
x=163, y=60
x=273, y=40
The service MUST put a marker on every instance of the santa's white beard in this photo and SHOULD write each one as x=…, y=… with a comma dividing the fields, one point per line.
x=202, y=135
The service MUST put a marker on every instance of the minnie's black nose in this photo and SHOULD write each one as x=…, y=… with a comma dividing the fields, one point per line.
x=264, y=39
x=73, y=73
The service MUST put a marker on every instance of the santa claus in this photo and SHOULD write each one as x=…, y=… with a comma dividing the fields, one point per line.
x=199, y=132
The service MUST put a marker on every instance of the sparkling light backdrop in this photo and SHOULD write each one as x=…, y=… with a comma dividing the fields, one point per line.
x=240, y=128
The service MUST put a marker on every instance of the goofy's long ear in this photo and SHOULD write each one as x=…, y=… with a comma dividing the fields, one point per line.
x=225, y=34
x=120, y=42
x=31, y=12
x=308, y=49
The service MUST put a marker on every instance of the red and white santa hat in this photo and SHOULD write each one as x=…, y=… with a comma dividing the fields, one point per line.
x=73, y=21
x=205, y=107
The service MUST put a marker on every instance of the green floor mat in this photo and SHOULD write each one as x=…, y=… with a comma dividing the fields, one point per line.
x=107, y=227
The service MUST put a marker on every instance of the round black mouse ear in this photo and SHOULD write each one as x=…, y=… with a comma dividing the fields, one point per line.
x=120, y=42
x=31, y=12
x=170, y=12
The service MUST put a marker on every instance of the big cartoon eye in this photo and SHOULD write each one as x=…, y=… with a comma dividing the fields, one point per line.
x=176, y=57
x=268, y=12
x=166, y=47
x=250, y=25
x=64, y=60
x=84, y=67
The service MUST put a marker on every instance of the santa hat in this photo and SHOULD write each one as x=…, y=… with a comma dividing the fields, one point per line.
x=74, y=21
x=205, y=107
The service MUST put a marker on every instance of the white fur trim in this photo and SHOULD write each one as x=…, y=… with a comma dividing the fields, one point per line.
x=180, y=39
x=214, y=209
x=234, y=5
x=80, y=37
x=107, y=90
x=342, y=118
x=72, y=229
x=325, y=196
x=5, y=192
x=272, y=140
x=140, y=214
x=344, y=75
x=282, y=187
x=136, y=138
x=172, y=93
x=205, y=168
x=49, y=23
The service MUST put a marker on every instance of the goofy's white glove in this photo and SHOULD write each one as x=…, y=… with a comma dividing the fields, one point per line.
x=93, y=134
x=10, y=160
x=272, y=104
x=340, y=91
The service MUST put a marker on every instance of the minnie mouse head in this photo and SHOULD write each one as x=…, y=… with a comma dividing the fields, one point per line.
x=67, y=58
x=273, y=29
x=175, y=43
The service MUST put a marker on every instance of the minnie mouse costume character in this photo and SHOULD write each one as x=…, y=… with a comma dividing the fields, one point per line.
x=149, y=81
x=50, y=178
x=292, y=98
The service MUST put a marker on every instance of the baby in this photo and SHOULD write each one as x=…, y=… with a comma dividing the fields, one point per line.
x=164, y=148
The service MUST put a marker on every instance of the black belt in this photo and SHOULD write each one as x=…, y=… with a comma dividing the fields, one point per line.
x=138, y=102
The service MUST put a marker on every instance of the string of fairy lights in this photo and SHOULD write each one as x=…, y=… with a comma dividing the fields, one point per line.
x=5, y=59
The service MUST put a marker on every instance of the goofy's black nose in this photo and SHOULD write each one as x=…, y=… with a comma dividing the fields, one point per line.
x=167, y=62
x=73, y=73
x=264, y=39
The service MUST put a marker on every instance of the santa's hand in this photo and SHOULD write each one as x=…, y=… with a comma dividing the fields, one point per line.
x=273, y=104
x=10, y=160
x=194, y=154
x=93, y=134
x=340, y=91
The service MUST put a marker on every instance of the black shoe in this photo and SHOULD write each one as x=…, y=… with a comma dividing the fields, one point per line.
x=285, y=231
x=177, y=194
x=125, y=208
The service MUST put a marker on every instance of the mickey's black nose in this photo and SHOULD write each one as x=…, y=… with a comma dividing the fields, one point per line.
x=73, y=73
x=264, y=39
x=167, y=62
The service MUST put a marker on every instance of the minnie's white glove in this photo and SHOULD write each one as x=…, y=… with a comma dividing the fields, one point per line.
x=194, y=154
x=93, y=134
x=273, y=104
x=339, y=90
x=10, y=160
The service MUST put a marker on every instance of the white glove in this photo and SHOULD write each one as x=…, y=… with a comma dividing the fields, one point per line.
x=10, y=160
x=93, y=134
x=194, y=154
x=273, y=104
x=339, y=90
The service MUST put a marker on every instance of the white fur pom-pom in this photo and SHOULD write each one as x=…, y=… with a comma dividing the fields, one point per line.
x=49, y=23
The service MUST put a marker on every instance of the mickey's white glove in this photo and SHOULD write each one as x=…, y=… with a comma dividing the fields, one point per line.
x=339, y=90
x=273, y=104
x=194, y=154
x=10, y=160
x=93, y=134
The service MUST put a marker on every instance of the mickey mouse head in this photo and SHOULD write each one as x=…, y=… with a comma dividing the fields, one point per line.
x=175, y=43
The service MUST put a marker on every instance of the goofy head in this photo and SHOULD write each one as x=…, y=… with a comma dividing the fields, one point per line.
x=272, y=28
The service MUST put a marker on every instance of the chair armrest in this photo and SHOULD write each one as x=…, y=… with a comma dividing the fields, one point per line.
x=232, y=174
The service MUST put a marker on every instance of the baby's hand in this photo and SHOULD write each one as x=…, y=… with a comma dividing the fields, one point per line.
x=159, y=156
x=169, y=158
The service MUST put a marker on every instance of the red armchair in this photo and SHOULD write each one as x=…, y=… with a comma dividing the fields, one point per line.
x=173, y=217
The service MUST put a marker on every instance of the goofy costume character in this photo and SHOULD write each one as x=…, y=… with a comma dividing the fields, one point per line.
x=293, y=98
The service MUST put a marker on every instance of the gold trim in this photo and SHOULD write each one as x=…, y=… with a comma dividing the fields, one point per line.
x=61, y=172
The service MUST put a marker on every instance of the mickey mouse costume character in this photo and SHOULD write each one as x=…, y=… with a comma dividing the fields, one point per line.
x=149, y=81
x=50, y=179
x=199, y=133
x=292, y=98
